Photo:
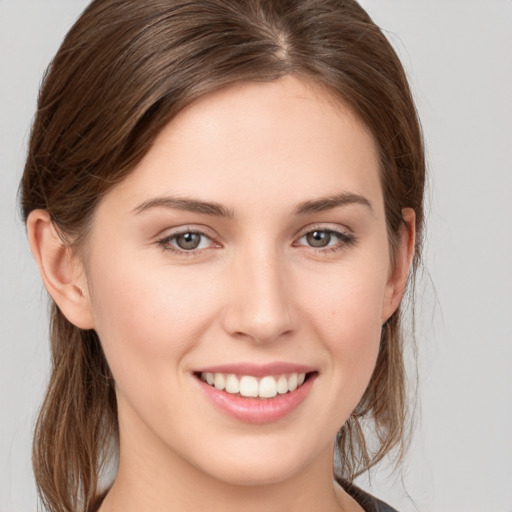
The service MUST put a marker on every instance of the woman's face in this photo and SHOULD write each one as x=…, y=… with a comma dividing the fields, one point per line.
x=248, y=248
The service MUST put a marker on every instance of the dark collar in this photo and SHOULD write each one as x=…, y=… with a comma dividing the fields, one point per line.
x=367, y=501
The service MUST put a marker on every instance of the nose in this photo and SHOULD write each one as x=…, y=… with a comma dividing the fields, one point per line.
x=260, y=307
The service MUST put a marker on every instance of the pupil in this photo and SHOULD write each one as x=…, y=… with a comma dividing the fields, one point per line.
x=319, y=238
x=188, y=240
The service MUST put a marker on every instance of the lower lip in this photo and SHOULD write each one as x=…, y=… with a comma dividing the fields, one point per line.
x=258, y=410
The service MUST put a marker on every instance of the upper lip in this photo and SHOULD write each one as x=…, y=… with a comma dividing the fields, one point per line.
x=257, y=370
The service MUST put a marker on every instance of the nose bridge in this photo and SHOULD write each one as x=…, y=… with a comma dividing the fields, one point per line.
x=261, y=306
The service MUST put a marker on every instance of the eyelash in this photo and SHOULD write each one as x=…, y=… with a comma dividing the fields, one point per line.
x=166, y=243
x=345, y=239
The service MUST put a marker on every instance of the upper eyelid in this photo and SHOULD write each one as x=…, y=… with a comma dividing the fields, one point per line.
x=176, y=231
x=204, y=230
x=175, y=234
x=327, y=230
x=324, y=227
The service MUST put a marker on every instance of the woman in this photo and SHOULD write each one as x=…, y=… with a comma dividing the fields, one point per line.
x=224, y=200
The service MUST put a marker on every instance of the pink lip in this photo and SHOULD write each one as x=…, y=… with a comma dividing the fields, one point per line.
x=258, y=410
x=257, y=370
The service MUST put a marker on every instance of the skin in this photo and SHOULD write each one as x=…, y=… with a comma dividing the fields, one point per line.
x=254, y=290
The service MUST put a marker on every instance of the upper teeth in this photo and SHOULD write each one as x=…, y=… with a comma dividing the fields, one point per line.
x=250, y=386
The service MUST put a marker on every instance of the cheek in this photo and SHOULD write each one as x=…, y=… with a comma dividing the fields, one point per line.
x=144, y=320
x=346, y=314
x=350, y=300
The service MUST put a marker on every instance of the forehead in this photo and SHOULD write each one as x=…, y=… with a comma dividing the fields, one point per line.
x=277, y=142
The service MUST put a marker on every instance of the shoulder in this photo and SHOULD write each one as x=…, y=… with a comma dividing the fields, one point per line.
x=367, y=501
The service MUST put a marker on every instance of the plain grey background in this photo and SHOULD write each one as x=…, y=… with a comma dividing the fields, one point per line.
x=458, y=56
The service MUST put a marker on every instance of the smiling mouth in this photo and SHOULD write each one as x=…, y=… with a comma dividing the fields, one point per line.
x=249, y=386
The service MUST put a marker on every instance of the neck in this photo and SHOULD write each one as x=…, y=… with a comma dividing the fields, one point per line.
x=185, y=488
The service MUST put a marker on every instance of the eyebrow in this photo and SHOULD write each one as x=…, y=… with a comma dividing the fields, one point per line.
x=189, y=205
x=330, y=202
x=219, y=210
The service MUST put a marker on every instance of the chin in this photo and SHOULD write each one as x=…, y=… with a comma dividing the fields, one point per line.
x=261, y=461
x=256, y=473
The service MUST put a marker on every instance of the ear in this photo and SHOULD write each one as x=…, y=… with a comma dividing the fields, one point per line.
x=62, y=272
x=399, y=273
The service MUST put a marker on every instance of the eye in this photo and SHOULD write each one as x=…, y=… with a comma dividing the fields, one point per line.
x=186, y=241
x=322, y=238
x=318, y=238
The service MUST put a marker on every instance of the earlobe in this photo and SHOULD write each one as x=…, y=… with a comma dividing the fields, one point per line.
x=61, y=271
x=399, y=274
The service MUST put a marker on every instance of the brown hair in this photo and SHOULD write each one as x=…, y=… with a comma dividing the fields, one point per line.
x=123, y=71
